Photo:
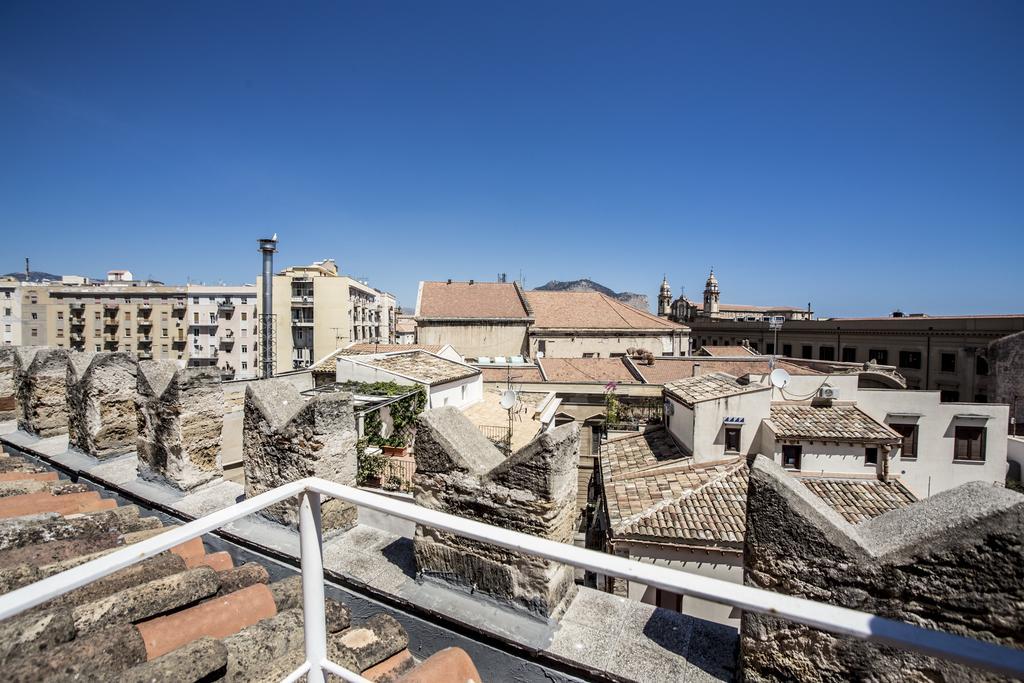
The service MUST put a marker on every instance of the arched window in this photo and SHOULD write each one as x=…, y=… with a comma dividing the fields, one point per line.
x=981, y=366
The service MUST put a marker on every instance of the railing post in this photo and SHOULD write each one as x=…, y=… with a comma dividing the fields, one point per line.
x=313, y=620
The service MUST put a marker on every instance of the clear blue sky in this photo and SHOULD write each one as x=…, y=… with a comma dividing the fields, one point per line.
x=864, y=157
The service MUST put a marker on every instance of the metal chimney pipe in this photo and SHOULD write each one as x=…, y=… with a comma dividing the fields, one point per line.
x=267, y=248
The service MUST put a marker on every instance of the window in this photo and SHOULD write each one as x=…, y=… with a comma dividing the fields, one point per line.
x=60, y=315
x=787, y=350
x=195, y=299
x=463, y=392
x=35, y=316
x=195, y=317
x=980, y=398
x=969, y=443
x=826, y=353
x=213, y=318
x=244, y=314
x=542, y=346
x=668, y=600
x=910, y=359
x=806, y=351
x=127, y=315
x=590, y=355
x=127, y=331
x=163, y=332
x=908, y=447
x=732, y=439
x=35, y=332
x=769, y=349
x=245, y=366
x=245, y=349
x=949, y=396
x=871, y=456
x=7, y=311
x=245, y=332
x=791, y=456
x=880, y=356
x=849, y=354
x=981, y=366
x=947, y=362
x=60, y=333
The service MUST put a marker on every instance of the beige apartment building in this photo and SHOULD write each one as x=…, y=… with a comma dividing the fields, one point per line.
x=222, y=329
x=139, y=317
x=23, y=307
x=317, y=311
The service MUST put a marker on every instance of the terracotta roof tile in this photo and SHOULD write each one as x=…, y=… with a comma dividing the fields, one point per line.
x=602, y=370
x=483, y=300
x=667, y=369
x=592, y=310
x=726, y=351
x=709, y=387
x=842, y=422
x=860, y=500
x=523, y=373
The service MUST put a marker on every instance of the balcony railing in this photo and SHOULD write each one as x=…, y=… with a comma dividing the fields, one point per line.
x=840, y=620
x=145, y=322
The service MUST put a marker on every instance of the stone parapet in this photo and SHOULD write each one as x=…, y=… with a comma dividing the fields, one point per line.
x=951, y=562
x=8, y=386
x=101, y=388
x=180, y=418
x=41, y=378
x=460, y=472
x=288, y=437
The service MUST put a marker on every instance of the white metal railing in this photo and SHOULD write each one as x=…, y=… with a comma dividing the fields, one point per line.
x=840, y=620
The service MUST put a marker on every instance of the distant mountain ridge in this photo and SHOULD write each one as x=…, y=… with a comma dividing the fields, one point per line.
x=638, y=301
x=33, y=276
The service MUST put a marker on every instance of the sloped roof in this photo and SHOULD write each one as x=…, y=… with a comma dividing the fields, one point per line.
x=462, y=300
x=653, y=491
x=421, y=366
x=694, y=390
x=591, y=311
x=668, y=369
x=860, y=500
x=366, y=349
x=843, y=422
x=521, y=373
x=726, y=351
x=601, y=370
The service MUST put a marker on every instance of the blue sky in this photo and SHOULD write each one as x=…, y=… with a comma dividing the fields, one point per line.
x=864, y=157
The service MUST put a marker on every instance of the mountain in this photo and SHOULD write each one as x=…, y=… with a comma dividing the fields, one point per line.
x=33, y=276
x=638, y=301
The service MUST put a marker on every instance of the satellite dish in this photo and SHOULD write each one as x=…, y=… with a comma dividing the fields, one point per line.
x=780, y=378
x=508, y=399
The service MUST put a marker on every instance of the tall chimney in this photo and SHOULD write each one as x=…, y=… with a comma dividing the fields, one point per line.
x=267, y=248
x=696, y=369
x=26, y=269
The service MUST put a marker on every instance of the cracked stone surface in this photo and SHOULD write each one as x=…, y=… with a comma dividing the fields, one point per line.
x=101, y=390
x=287, y=437
x=950, y=562
x=460, y=472
x=8, y=387
x=180, y=414
x=41, y=376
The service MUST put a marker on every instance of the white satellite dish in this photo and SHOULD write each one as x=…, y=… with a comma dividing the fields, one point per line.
x=508, y=399
x=780, y=378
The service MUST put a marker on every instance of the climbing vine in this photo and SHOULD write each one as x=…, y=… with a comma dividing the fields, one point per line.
x=369, y=466
x=403, y=417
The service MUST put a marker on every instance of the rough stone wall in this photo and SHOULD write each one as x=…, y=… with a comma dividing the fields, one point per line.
x=180, y=415
x=460, y=472
x=288, y=437
x=101, y=403
x=1006, y=367
x=951, y=562
x=8, y=387
x=41, y=377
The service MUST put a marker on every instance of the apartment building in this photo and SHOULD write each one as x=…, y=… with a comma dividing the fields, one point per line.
x=948, y=354
x=317, y=311
x=222, y=329
x=139, y=317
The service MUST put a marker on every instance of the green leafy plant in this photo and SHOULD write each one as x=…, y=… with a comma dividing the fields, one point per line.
x=611, y=404
x=392, y=483
x=369, y=466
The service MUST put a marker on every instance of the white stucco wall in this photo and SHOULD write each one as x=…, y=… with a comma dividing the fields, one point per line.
x=458, y=394
x=680, y=423
x=935, y=469
x=604, y=345
x=844, y=458
x=712, y=563
x=709, y=427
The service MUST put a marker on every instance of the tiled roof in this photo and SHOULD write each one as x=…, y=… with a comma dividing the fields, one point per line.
x=709, y=387
x=844, y=422
x=653, y=491
x=483, y=300
x=668, y=369
x=860, y=500
x=421, y=366
x=601, y=370
x=592, y=310
x=522, y=373
x=405, y=325
x=366, y=349
x=727, y=351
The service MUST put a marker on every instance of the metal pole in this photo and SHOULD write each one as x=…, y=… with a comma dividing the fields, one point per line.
x=267, y=248
x=314, y=622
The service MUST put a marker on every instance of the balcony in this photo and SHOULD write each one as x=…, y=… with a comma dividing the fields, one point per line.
x=145, y=309
x=111, y=308
x=110, y=337
x=77, y=337
x=302, y=300
x=309, y=549
x=144, y=322
x=227, y=342
x=302, y=322
x=144, y=339
x=77, y=306
x=226, y=306
x=145, y=355
x=111, y=322
x=77, y=321
x=179, y=341
x=178, y=307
